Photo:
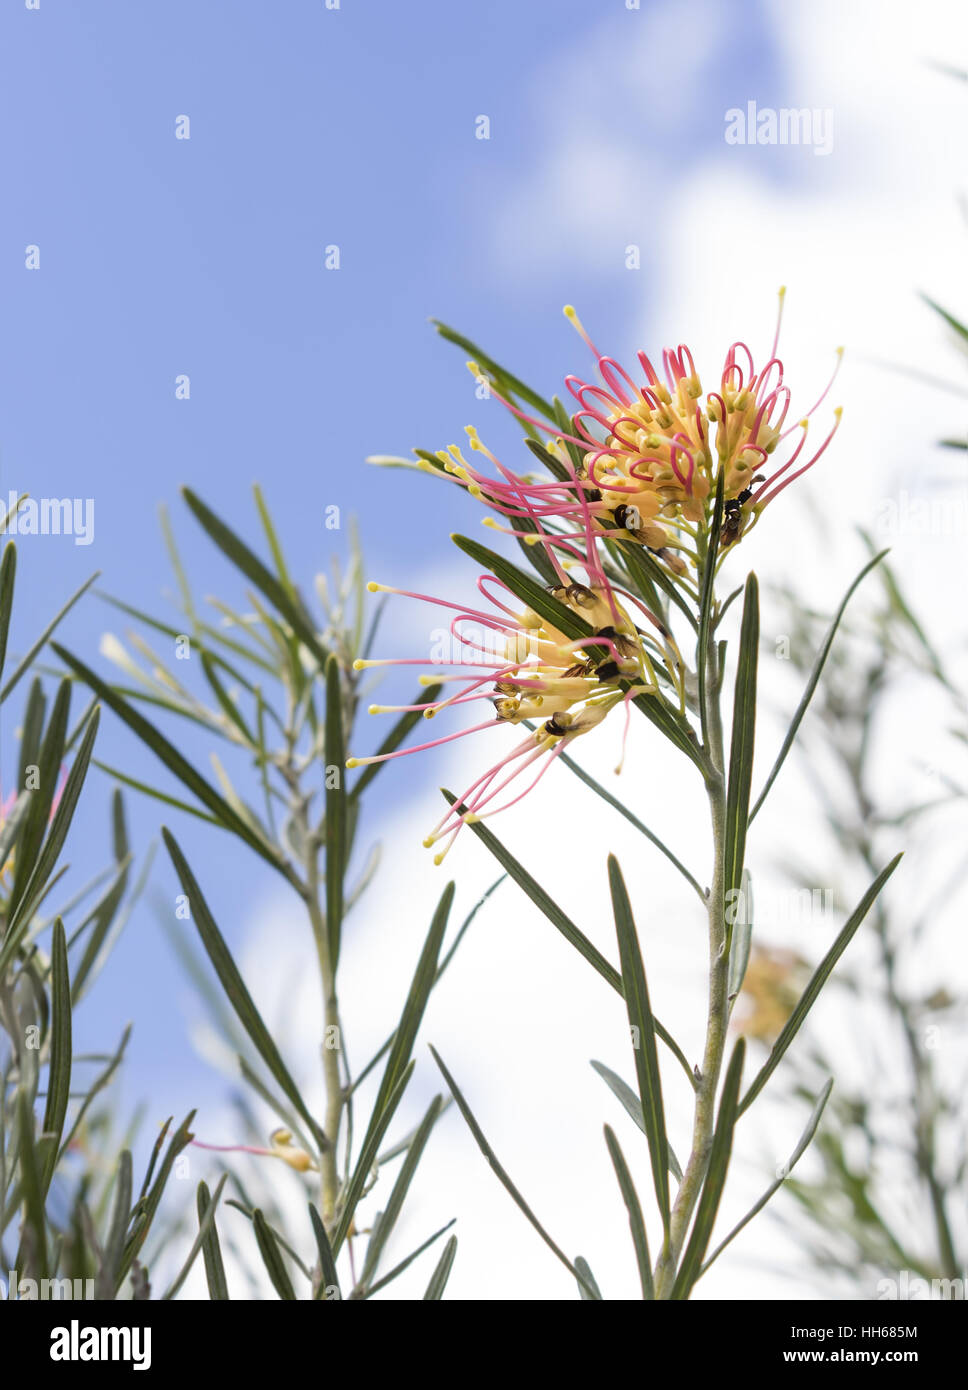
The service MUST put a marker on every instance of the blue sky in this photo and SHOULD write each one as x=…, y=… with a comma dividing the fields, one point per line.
x=159, y=256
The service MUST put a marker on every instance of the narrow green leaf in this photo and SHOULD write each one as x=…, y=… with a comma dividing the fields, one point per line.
x=254, y=570
x=502, y=1174
x=367, y=1157
x=438, y=1280
x=715, y=1179
x=173, y=760
x=537, y=598
x=206, y=1227
x=564, y=924
x=272, y=1257
x=234, y=986
x=642, y=1027
x=630, y=1102
x=59, y=1070
x=634, y=1209
x=8, y=572
x=413, y=1010
x=817, y=981
x=47, y=768
x=501, y=374
x=587, y=1282
x=741, y=937
x=153, y=792
x=741, y=751
x=218, y=1289
x=28, y=660
x=812, y=682
x=47, y=859
x=328, y=1277
x=109, y=1276
x=397, y=1270
x=33, y=1240
x=150, y=1199
x=408, y=1168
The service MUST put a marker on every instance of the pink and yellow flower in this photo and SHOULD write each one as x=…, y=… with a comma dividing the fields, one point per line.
x=652, y=451
x=531, y=672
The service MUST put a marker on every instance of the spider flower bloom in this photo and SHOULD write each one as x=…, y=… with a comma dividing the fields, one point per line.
x=653, y=451
x=526, y=669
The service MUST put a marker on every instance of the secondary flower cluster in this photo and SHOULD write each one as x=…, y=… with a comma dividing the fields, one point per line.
x=640, y=464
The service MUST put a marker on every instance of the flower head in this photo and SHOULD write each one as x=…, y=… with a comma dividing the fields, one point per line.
x=651, y=451
x=530, y=672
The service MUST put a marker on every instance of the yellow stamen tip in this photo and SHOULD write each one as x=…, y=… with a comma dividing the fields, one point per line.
x=473, y=368
x=428, y=842
x=429, y=713
x=359, y=664
x=839, y=411
x=840, y=351
x=352, y=762
x=439, y=858
x=426, y=680
x=569, y=311
x=374, y=587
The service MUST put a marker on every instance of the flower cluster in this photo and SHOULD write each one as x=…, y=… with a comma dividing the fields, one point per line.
x=641, y=464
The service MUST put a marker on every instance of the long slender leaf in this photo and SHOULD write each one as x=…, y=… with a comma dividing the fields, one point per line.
x=503, y=1176
x=367, y=1158
x=630, y=1102
x=27, y=661
x=438, y=1280
x=643, y=1037
x=328, y=1277
x=812, y=682
x=175, y=762
x=109, y=1276
x=206, y=1226
x=8, y=572
x=61, y=1051
x=741, y=749
x=802, y=1145
x=398, y=1194
x=255, y=571
x=234, y=986
x=272, y=1257
x=564, y=924
x=218, y=1289
x=634, y=1209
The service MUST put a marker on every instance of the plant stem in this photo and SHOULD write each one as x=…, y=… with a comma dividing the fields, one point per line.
x=717, y=1015
x=332, y=1039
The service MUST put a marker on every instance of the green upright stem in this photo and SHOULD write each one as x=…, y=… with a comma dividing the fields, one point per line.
x=717, y=1014
x=335, y=1095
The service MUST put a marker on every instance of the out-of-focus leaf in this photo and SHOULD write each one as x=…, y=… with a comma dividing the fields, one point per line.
x=255, y=571
x=147, y=1204
x=8, y=572
x=397, y=1270
x=109, y=1275
x=328, y=1277
x=218, y=1289
x=207, y=1207
x=272, y=1257
x=234, y=986
x=174, y=761
x=367, y=1157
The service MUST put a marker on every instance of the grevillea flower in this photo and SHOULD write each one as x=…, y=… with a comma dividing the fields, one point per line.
x=529, y=671
x=651, y=452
